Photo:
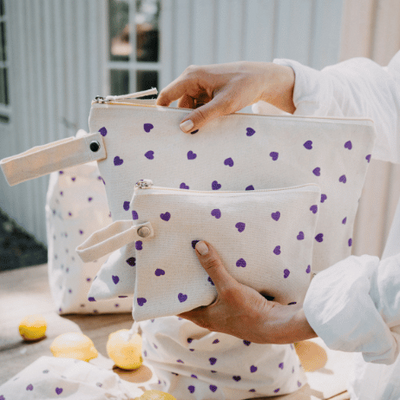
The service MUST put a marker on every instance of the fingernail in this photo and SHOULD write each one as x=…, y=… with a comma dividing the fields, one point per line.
x=186, y=126
x=202, y=248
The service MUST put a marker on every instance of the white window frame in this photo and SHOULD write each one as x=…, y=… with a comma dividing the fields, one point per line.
x=133, y=66
x=5, y=109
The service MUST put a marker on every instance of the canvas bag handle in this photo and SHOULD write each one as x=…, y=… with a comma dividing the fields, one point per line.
x=43, y=160
x=111, y=238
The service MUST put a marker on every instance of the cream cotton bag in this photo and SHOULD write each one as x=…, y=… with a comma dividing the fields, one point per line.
x=264, y=237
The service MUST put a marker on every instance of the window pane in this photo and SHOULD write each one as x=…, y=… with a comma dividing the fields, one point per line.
x=119, y=82
x=120, y=44
x=146, y=80
x=147, y=32
x=3, y=54
x=3, y=86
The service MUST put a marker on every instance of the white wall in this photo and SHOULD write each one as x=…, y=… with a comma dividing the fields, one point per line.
x=371, y=29
x=57, y=65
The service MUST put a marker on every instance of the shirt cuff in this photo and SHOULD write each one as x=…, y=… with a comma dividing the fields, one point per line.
x=309, y=89
x=339, y=308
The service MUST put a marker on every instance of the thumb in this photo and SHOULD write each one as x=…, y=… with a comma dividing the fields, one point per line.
x=213, y=265
x=202, y=115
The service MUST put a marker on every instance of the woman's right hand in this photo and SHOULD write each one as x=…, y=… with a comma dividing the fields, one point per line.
x=222, y=89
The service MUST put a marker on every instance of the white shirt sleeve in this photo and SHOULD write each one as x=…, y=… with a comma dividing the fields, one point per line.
x=355, y=88
x=355, y=304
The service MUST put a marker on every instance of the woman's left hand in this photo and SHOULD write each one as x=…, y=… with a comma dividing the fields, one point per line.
x=242, y=312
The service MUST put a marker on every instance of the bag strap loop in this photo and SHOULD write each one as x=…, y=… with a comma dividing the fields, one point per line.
x=42, y=160
x=111, y=238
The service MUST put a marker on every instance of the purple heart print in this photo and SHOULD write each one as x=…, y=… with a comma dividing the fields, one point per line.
x=135, y=215
x=159, y=272
x=319, y=238
x=281, y=365
x=344, y=221
x=215, y=185
x=286, y=273
x=148, y=127
x=115, y=279
x=103, y=131
x=253, y=369
x=277, y=250
x=308, y=145
x=141, y=301
x=348, y=145
x=118, y=161
x=131, y=261
x=191, y=388
x=323, y=197
x=183, y=186
x=368, y=157
x=308, y=270
x=343, y=179
x=212, y=360
x=240, y=226
x=274, y=155
x=126, y=205
x=241, y=263
x=250, y=131
x=59, y=390
x=317, y=171
x=213, y=388
x=191, y=155
x=149, y=155
x=139, y=245
x=166, y=216
x=314, y=208
x=276, y=215
x=236, y=378
x=182, y=297
x=300, y=236
x=228, y=162
x=29, y=387
x=216, y=213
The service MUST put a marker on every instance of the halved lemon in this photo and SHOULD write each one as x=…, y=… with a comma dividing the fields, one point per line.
x=74, y=345
x=33, y=327
x=125, y=349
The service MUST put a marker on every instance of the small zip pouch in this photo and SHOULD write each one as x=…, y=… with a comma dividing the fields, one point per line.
x=264, y=237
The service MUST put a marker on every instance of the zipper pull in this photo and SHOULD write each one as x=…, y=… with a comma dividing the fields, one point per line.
x=144, y=184
x=101, y=99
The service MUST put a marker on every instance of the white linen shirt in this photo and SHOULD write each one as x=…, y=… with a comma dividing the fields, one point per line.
x=355, y=304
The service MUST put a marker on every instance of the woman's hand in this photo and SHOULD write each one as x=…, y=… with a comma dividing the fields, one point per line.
x=242, y=312
x=222, y=89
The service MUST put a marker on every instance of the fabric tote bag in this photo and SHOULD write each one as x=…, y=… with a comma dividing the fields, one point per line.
x=76, y=205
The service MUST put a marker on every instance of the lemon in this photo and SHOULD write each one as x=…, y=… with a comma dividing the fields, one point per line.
x=125, y=349
x=155, y=395
x=33, y=327
x=73, y=345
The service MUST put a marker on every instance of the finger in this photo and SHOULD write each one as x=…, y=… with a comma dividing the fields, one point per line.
x=186, y=101
x=175, y=90
x=213, y=265
x=218, y=106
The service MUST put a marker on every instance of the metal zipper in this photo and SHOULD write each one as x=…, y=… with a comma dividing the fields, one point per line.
x=148, y=184
x=124, y=97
